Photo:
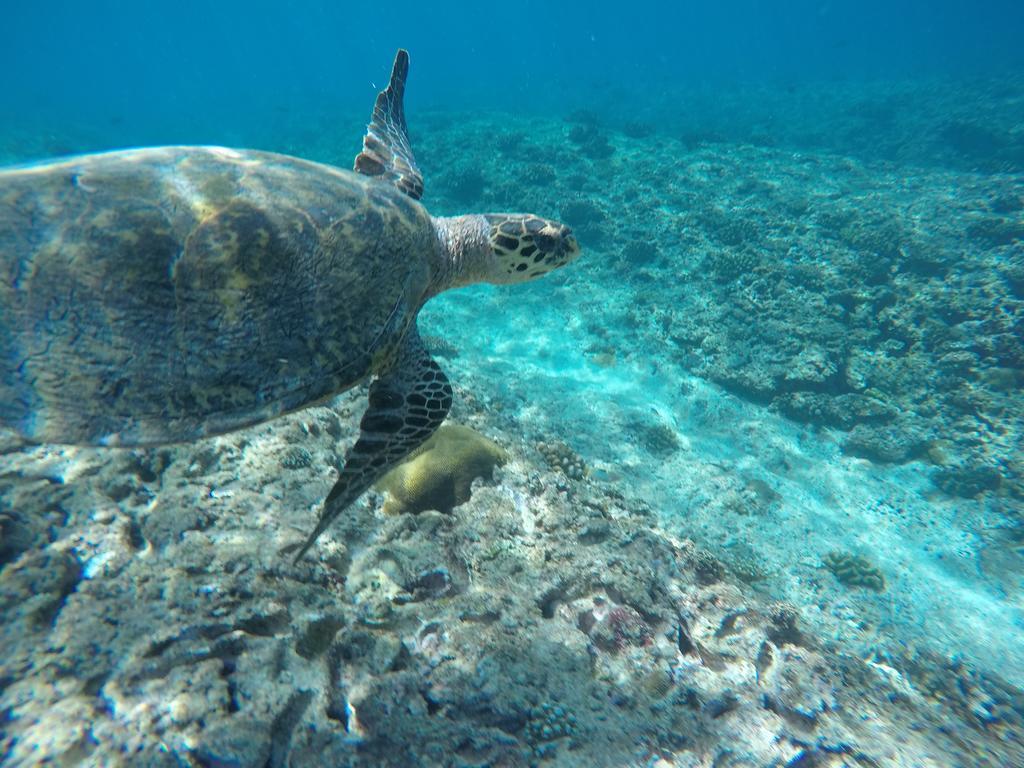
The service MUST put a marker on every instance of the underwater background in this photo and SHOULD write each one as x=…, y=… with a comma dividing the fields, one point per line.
x=755, y=494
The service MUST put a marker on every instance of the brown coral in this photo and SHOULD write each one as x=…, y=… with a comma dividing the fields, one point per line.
x=439, y=474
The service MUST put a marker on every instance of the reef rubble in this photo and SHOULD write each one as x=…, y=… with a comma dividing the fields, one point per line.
x=157, y=620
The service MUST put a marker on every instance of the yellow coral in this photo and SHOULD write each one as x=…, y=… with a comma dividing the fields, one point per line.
x=439, y=473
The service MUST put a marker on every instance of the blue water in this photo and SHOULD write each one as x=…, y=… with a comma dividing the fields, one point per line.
x=796, y=333
x=198, y=72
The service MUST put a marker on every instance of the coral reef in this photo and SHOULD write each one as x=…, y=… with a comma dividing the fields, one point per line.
x=440, y=473
x=523, y=627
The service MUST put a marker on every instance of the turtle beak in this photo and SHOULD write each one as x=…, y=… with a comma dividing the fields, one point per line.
x=572, y=246
x=562, y=243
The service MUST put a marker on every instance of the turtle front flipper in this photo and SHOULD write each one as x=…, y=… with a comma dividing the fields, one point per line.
x=407, y=404
x=386, y=150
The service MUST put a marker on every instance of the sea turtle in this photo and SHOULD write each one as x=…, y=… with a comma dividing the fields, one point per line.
x=162, y=295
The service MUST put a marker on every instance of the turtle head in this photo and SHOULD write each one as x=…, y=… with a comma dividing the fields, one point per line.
x=524, y=246
x=499, y=248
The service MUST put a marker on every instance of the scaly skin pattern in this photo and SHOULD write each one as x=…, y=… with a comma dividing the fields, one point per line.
x=166, y=294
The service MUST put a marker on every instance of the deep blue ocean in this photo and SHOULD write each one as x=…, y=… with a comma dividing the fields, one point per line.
x=194, y=72
x=742, y=485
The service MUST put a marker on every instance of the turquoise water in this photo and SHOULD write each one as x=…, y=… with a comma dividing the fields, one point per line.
x=761, y=499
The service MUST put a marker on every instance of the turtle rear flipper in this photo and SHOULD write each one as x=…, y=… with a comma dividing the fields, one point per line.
x=407, y=404
x=386, y=151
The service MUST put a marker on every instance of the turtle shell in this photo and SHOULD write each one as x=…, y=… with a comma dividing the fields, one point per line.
x=161, y=295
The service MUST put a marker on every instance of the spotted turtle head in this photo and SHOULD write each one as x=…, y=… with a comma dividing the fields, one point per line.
x=524, y=246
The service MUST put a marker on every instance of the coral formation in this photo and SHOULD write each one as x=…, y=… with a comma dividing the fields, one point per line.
x=562, y=458
x=591, y=140
x=531, y=628
x=508, y=142
x=709, y=568
x=784, y=625
x=465, y=186
x=539, y=174
x=742, y=561
x=968, y=480
x=728, y=229
x=855, y=570
x=639, y=252
x=583, y=213
x=657, y=683
x=297, y=458
x=656, y=437
x=586, y=218
x=614, y=628
x=901, y=441
x=727, y=265
x=440, y=473
x=547, y=723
